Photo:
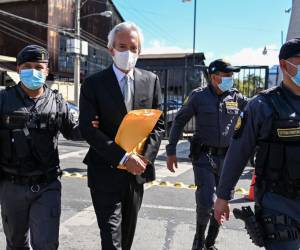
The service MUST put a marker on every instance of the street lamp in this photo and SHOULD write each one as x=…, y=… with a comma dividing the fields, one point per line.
x=104, y=13
x=194, y=33
x=265, y=50
x=77, y=43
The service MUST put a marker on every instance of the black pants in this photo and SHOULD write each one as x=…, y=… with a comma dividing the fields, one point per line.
x=25, y=211
x=117, y=213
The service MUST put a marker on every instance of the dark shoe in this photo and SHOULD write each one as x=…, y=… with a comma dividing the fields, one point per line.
x=198, y=243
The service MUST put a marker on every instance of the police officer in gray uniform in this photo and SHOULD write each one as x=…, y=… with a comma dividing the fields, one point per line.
x=216, y=109
x=270, y=121
x=31, y=117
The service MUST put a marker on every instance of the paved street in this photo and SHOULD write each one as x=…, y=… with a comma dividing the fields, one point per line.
x=166, y=220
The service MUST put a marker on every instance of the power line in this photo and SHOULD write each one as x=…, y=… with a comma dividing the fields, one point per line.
x=59, y=29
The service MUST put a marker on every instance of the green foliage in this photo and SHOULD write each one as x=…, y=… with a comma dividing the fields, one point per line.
x=250, y=85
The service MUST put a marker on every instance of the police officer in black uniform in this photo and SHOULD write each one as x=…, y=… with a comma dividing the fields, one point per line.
x=216, y=109
x=31, y=117
x=270, y=121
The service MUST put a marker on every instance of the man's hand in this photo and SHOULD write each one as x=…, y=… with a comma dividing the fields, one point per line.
x=95, y=123
x=171, y=162
x=221, y=210
x=135, y=165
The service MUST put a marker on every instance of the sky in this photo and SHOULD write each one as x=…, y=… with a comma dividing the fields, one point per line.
x=236, y=30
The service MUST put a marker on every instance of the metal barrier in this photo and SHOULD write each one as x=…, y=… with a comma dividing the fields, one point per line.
x=251, y=79
x=178, y=82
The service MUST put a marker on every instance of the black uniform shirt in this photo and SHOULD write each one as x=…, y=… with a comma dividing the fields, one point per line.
x=256, y=126
x=14, y=100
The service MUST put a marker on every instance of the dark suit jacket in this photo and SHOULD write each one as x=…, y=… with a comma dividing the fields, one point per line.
x=102, y=96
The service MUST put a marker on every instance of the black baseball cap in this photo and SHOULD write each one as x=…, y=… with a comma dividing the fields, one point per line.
x=33, y=53
x=290, y=48
x=220, y=65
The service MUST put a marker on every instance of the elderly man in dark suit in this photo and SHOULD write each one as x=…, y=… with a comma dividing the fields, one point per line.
x=117, y=194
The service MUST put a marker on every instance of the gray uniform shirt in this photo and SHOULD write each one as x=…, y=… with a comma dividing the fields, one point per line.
x=215, y=116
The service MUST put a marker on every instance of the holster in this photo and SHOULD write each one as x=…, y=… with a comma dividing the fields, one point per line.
x=253, y=227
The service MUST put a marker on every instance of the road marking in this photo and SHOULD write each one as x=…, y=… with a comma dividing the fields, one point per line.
x=72, y=154
x=87, y=217
x=169, y=208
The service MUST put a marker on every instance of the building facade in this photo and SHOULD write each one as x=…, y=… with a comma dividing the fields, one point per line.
x=294, y=26
x=59, y=17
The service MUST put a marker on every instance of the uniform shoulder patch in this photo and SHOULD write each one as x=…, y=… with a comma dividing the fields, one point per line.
x=240, y=124
x=186, y=100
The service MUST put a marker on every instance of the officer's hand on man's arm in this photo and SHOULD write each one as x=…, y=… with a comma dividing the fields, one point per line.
x=221, y=210
x=135, y=165
x=172, y=162
x=95, y=123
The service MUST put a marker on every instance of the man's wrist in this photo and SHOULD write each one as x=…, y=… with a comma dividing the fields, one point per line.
x=124, y=159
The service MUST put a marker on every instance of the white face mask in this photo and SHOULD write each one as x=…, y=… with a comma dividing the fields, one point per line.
x=125, y=60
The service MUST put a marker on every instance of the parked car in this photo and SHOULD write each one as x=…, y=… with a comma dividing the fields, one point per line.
x=170, y=115
x=74, y=110
x=172, y=104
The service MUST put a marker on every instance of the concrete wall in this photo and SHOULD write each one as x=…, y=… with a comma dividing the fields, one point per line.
x=294, y=27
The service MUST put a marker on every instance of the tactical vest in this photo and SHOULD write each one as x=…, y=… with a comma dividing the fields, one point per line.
x=278, y=157
x=28, y=140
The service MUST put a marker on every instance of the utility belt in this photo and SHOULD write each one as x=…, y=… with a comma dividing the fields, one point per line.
x=33, y=179
x=262, y=228
x=31, y=121
x=198, y=149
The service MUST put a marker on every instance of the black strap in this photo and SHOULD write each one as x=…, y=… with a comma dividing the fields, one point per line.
x=273, y=233
x=33, y=179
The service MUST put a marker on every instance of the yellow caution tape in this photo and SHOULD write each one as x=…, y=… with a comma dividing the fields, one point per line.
x=181, y=185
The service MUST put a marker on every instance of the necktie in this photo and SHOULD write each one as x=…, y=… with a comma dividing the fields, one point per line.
x=127, y=93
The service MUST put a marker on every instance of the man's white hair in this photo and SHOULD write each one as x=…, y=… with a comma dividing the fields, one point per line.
x=121, y=27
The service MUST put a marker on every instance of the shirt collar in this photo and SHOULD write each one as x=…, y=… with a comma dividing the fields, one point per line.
x=120, y=74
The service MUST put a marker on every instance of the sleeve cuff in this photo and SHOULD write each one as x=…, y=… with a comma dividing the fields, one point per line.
x=171, y=150
x=225, y=195
x=123, y=159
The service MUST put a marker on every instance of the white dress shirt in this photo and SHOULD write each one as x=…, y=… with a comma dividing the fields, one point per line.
x=120, y=75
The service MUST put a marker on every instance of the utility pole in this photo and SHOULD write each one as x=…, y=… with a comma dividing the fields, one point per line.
x=194, y=36
x=77, y=55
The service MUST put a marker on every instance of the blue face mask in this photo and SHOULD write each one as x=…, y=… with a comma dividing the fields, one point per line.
x=32, y=79
x=295, y=78
x=226, y=84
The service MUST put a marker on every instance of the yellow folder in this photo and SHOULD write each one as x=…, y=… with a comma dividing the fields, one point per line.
x=135, y=128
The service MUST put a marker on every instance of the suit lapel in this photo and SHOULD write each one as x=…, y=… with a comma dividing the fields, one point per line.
x=114, y=90
x=139, y=87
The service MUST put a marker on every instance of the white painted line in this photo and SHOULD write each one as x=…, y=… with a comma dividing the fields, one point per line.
x=87, y=217
x=169, y=208
x=71, y=154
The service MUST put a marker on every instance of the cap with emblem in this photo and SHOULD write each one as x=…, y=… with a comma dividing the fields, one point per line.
x=290, y=49
x=220, y=65
x=32, y=53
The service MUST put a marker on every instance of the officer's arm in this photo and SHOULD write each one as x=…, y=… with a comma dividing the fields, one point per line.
x=256, y=123
x=69, y=128
x=243, y=100
x=186, y=112
x=153, y=142
x=106, y=148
